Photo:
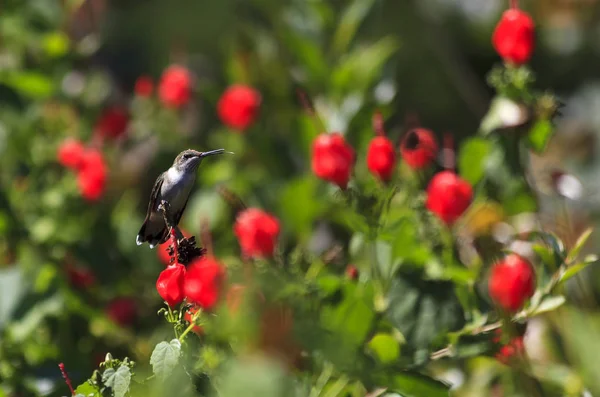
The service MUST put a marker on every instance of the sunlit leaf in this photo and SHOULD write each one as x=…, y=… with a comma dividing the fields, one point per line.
x=472, y=159
x=117, y=380
x=539, y=135
x=579, y=244
x=384, y=347
x=165, y=357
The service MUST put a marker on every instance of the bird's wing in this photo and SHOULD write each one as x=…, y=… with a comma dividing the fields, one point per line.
x=178, y=214
x=154, y=194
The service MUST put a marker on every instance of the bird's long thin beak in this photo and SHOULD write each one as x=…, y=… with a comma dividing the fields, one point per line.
x=213, y=152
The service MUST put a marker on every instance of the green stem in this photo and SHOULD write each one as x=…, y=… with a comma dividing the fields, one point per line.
x=322, y=380
x=187, y=330
x=337, y=387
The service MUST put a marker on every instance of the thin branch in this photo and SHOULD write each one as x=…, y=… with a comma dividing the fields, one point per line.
x=65, y=376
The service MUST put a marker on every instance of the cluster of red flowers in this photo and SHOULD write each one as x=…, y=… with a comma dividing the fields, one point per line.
x=199, y=283
x=514, y=36
x=237, y=108
x=89, y=165
x=448, y=195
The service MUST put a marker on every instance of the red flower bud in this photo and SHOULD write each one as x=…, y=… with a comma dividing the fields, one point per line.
x=257, y=232
x=143, y=86
x=511, y=282
x=189, y=316
x=92, y=175
x=238, y=106
x=514, y=349
x=70, y=153
x=170, y=284
x=514, y=37
x=203, y=282
x=122, y=311
x=352, y=272
x=112, y=122
x=175, y=87
x=381, y=158
x=448, y=196
x=332, y=159
x=419, y=148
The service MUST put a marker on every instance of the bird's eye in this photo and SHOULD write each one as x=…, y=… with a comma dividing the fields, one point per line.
x=187, y=156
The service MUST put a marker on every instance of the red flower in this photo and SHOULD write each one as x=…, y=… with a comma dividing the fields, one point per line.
x=170, y=284
x=514, y=37
x=203, y=282
x=92, y=175
x=70, y=153
x=419, y=148
x=352, y=272
x=143, y=86
x=161, y=251
x=122, y=311
x=112, y=122
x=381, y=157
x=514, y=349
x=511, y=282
x=80, y=277
x=332, y=159
x=189, y=316
x=257, y=232
x=175, y=87
x=238, y=106
x=448, y=196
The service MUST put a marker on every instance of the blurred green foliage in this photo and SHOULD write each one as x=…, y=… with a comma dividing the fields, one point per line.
x=419, y=307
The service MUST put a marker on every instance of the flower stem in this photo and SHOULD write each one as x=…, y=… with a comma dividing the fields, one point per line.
x=514, y=4
x=187, y=330
x=65, y=376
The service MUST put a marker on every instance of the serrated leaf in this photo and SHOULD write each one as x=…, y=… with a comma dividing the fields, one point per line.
x=472, y=159
x=583, y=238
x=118, y=380
x=164, y=358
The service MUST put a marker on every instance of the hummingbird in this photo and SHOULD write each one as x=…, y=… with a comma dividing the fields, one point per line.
x=173, y=187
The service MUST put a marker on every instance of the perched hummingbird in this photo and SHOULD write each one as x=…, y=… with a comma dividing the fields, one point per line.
x=173, y=186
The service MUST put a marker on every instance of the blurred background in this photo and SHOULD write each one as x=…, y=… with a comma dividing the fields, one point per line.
x=73, y=285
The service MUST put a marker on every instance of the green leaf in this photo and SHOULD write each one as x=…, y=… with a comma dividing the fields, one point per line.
x=118, y=380
x=573, y=270
x=546, y=255
x=539, y=135
x=414, y=384
x=357, y=71
x=423, y=310
x=164, y=358
x=385, y=348
x=88, y=390
x=32, y=84
x=549, y=304
x=472, y=159
x=349, y=23
x=583, y=238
